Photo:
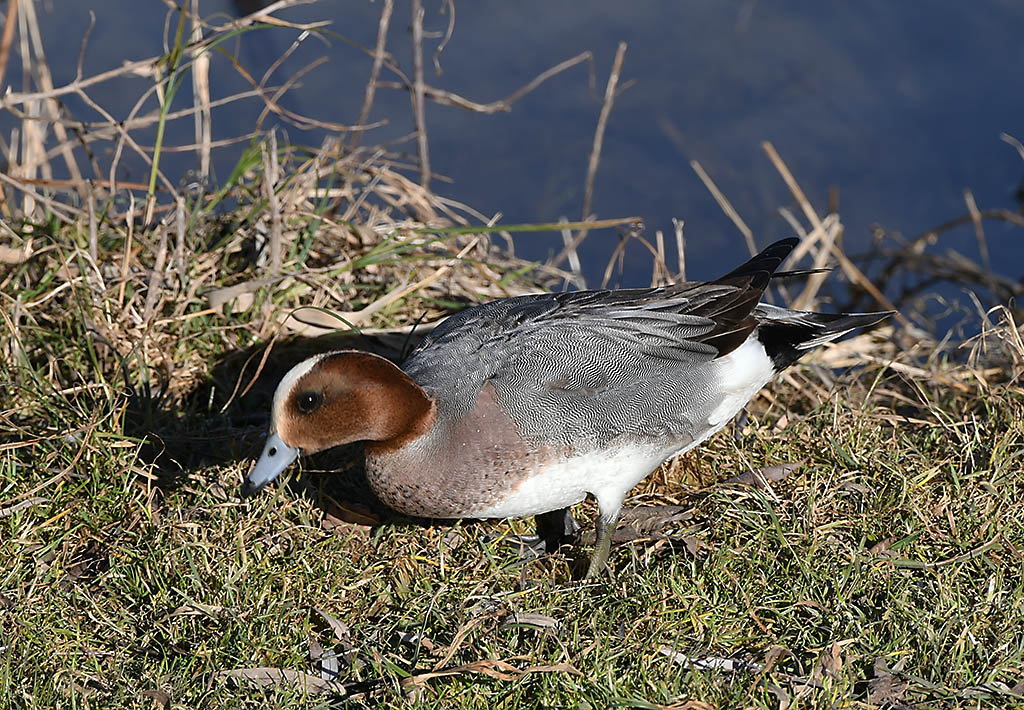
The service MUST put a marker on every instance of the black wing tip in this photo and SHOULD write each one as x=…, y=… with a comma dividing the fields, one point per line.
x=732, y=314
x=760, y=267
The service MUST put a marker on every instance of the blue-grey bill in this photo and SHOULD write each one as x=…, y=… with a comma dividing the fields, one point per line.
x=276, y=457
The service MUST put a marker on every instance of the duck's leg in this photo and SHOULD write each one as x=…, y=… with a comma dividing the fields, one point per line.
x=555, y=528
x=606, y=521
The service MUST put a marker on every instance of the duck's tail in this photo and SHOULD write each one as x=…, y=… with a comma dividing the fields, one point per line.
x=787, y=335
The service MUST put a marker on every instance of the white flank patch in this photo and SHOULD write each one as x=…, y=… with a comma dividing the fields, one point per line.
x=608, y=475
x=284, y=388
x=741, y=374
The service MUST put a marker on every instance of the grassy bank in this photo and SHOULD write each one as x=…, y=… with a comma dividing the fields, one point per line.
x=876, y=554
x=856, y=540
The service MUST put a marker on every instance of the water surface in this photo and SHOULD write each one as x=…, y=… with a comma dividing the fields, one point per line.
x=898, y=105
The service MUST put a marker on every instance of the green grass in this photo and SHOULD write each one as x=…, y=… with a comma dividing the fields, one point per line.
x=897, y=545
x=885, y=568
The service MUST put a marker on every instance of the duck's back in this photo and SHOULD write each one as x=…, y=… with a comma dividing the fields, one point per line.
x=585, y=368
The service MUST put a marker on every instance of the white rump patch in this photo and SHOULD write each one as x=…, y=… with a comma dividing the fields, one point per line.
x=741, y=374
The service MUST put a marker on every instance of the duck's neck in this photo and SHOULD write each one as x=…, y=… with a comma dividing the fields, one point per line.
x=397, y=409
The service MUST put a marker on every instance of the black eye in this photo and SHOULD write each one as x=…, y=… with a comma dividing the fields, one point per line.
x=309, y=402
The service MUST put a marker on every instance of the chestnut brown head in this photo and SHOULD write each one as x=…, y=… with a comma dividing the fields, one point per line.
x=338, y=398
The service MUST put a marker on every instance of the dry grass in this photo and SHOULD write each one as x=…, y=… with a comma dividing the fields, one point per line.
x=868, y=552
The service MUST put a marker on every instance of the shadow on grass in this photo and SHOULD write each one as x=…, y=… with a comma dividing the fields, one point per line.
x=225, y=420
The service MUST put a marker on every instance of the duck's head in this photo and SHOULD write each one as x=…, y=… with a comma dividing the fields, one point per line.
x=334, y=399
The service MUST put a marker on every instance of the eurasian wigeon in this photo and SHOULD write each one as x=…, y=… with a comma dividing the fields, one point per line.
x=524, y=405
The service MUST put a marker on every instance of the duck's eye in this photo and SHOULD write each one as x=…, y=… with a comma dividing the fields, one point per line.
x=309, y=402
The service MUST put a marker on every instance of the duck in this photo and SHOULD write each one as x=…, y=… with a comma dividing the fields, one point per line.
x=524, y=406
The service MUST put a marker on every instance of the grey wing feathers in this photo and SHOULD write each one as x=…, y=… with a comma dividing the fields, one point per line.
x=657, y=322
x=595, y=365
x=684, y=318
x=578, y=366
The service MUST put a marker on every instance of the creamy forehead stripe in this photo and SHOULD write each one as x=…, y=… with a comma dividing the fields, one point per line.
x=287, y=383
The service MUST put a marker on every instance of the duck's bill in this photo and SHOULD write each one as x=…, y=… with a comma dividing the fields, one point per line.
x=276, y=457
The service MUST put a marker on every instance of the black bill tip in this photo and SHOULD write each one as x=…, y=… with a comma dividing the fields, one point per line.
x=249, y=489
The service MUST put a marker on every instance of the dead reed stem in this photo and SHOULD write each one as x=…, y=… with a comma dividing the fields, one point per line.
x=418, y=108
x=602, y=123
x=852, y=272
x=449, y=7
x=10, y=18
x=448, y=98
x=726, y=206
x=595, y=152
x=155, y=276
x=270, y=182
x=379, y=55
x=201, y=93
x=574, y=258
x=677, y=226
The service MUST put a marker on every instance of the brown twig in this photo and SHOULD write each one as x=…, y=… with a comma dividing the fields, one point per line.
x=379, y=53
x=10, y=20
x=997, y=213
x=1010, y=140
x=616, y=258
x=155, y=277
x=547, y=74
x=448, y=98
x=659, y=273
x=270, y=182
x=450, y=5
x=201, y=94
x=677, y=225
x=852, y=272
x=595, y=151
x=418, y=108
x=179, y=245
x=726, y=206
x=94, y=239
x=979, y=229
x=574, y=259
x=829, y=232
x=602, y=123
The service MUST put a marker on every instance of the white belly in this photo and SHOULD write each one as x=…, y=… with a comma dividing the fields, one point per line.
x=607, y=475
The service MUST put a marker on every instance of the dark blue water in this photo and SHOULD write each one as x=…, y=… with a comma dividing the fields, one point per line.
x=898, y=105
